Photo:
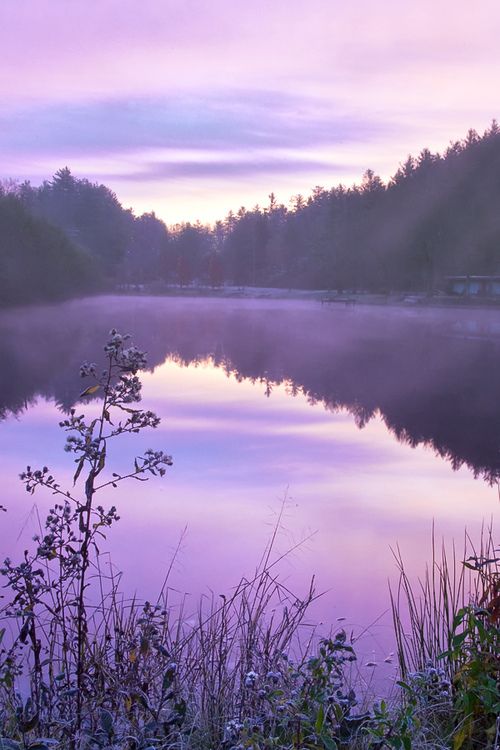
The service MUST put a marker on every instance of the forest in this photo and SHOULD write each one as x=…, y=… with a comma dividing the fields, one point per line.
x=438, y=215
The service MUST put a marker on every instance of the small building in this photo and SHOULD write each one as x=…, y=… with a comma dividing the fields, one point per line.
x=473, y=286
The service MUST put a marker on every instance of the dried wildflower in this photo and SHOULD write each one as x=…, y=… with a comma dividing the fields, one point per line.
x=251, y=679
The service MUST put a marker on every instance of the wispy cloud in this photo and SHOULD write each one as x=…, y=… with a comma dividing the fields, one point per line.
x=250, y=119
x=235, y=137
x=222, y=169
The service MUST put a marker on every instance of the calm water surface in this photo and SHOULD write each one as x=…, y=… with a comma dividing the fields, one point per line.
x=369, y=424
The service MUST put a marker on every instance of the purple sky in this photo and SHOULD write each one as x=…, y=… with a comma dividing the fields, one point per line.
x=191, y=108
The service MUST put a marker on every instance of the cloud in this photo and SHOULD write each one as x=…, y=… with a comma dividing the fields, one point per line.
x=231, y=136
x=249, y=120
x=225, y=169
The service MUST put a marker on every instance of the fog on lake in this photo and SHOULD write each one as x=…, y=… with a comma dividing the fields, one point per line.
x=371, y=424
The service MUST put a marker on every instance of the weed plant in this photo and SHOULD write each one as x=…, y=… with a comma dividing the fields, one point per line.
x=448, y=639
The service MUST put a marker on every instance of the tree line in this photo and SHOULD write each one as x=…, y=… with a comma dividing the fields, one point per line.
x=439, y=215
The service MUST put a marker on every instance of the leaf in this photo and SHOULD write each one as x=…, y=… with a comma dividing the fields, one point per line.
x=29, y=724
x=403, y=685
x=320, y=719
x=459, y=617
x=143, y=700
x=460, y=736
x=132, y=657
x=79, y=470
x=329, y=743
x=181, y=707
x=469, y=566
x=23, y=633
x=102, y=459
x=90, y=390
x=457, y=640
x=106, y=721
x=8, y=682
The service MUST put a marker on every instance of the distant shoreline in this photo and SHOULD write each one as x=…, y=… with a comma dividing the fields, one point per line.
x=409, y=301
x=347, y=299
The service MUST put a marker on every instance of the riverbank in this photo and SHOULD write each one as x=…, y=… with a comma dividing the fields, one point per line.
x=323, y=296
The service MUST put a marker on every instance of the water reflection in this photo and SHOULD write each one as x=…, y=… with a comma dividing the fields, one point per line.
x=431, y=375
x=430, y=379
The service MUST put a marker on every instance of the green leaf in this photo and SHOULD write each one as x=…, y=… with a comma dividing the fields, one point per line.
x=457, y=640
x=460, y=736
x=320, y=719
x=403, y=685
x=459, y=617
x=329, y=743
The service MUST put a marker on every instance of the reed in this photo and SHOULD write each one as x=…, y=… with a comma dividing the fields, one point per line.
x=447, y=628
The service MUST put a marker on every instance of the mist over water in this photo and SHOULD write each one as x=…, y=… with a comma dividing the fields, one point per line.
x=357, y=416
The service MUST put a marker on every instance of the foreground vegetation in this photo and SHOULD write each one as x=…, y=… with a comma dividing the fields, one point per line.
x=81, y=667
x=437, y=216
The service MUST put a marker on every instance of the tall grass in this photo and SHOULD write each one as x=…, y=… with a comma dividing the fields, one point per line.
x=157, y=670
x=424, y=611
x=447, y=628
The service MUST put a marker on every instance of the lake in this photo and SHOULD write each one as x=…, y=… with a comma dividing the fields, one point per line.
x=367, y=424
